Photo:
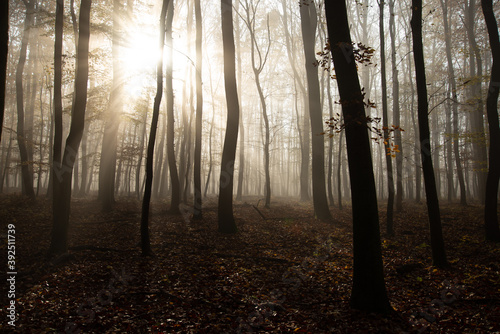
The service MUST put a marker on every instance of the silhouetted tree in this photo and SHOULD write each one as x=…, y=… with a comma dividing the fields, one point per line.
x=368, y=290
x=4, y=51
x=145, y=242
x=225, y=210
x=62, y=182
x=492, y=228
x=308, y=23
x=437, y=243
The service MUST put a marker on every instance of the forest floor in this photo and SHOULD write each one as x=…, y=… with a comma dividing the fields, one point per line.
x=286, y=273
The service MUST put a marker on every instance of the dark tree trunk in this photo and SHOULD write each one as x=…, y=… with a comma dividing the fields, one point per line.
x=225, y=210
x=437, y=243
x=490, y=206
x=368, y=291
x=308, y=25
x=62, y=181
x=174, y=176
x=145, y=242
x=396, y=111
x=58, y=109
x=385, y=121
x=27, y=176
x=107, y=170
x=199, y=112
x=4, y=51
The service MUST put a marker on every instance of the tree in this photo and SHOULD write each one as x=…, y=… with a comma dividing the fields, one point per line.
x=257, y=67
x=62, y=182
x=27, y=175
x=308, y=25
x=385, y=120
x=199, y=114
x=4, y=51
x=107, y=168
x=437, y=243
x=58, y=108
x=225, y=209
x=174, y=176
x=145, y=242
x=453, y=83
x=492, y=228
x=396, y=111
x=368, y=291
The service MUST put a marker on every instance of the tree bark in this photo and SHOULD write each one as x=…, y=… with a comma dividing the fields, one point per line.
x=368, y=291
x=62, y=181
x=437, y=243
x=492, y=228
x=226, y=223
x=308, y=26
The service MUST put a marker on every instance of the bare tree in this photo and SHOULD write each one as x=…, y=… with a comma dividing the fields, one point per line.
x=437, y=243
x=225, y=210
x=145, y=242
x=62, y=182
x=308, y=24
x=199, y=113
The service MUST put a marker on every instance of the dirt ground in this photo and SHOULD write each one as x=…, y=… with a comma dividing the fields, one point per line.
x=285, y=273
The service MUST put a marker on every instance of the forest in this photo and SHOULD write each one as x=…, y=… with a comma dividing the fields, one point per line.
x=257, y=166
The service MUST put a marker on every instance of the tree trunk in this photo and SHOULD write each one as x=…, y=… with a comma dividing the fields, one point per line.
x=145, y=242
x=226, y=223
x=303, y=139
x=396, y=111
x=490, y=206
x=58, y=109
x=62, y=181
x=437, y=243
x=4, y=51
x=27, y=176
x=197, y=214
x=308, y=26
x=368, y=291
x=107, y=168
x=174, y=176
x=387, y=151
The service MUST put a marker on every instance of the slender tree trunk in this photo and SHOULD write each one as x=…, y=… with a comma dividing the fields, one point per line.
x=58, y=109
x=304, y=140
x=385, y=120
x=62, y=182
x=174, y=176
x=437, y=243
x=492, y=228
x=452, y=82
x=225, y=210
x=368, y=291
x=197, y=214
x=139, y=158
x=4, y=52
x=107, y=170
x=27, y=176
x=308, y=25
x=396, y=111
x=145, y=242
